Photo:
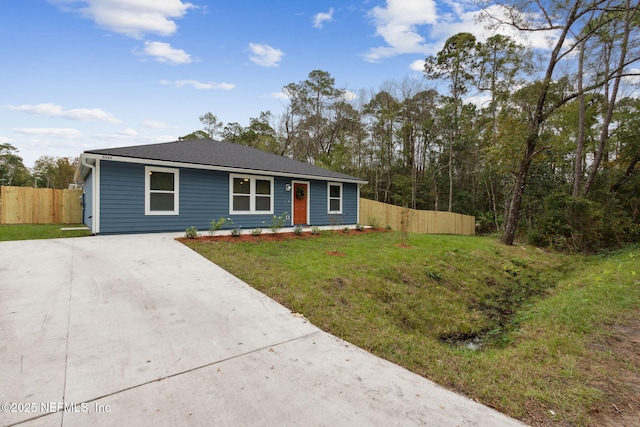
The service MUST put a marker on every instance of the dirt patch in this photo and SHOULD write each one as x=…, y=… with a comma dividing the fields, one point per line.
x=614, y=369
x=622, y=380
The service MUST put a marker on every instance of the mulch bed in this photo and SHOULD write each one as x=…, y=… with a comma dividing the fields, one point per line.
x=273, y=237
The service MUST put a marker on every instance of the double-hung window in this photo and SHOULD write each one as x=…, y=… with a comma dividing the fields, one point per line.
x=161, y=191
x=251, y=194
x=334, y=191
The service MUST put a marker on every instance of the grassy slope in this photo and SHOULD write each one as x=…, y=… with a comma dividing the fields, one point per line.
x=538, y=313
x=38, y=231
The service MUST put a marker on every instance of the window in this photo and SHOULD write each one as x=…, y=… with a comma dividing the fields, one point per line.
x=251, y=195
x=161, y=191
x=335, y=198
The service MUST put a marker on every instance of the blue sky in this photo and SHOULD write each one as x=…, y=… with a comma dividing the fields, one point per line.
x=86, y=74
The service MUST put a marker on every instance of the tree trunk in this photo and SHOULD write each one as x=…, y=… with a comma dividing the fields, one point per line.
x=610, y=101
x=513, y=217
x=577, y=168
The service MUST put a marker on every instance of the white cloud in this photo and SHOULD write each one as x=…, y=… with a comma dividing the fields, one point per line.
x=349, y=96
x=417, y=65
x=199, y=85
x=65, y=133
x=4, y=140
x=397, y=24
x=154, y=124
x=320, y=18
x=133, y=18
x=279, y=95
x=128, y=132
x=52, y=110
x=163, y=52
x=265, y=55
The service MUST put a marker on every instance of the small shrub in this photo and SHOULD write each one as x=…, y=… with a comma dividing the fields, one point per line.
x=236, y=232
x=388, y=227
x=374, y=222
x=359, y=227
x=346, y=229
x=256, y=232
x=315, y=230
x=191, y=232
x=216, y=225
x=277, y=222
x=297, y=230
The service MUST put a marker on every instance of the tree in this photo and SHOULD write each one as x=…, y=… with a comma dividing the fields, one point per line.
x=456, y=63
x=576, y=18
x=613, y=31
x=259, y=134
x=52, y=172
x=212, y=126
x=12, y=169
x=310, y=120
x=198, y=134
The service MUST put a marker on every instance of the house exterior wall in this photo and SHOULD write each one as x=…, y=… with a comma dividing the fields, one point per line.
x=203, y=196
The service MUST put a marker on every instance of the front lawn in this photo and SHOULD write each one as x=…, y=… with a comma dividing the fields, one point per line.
x=39, y=231
x=542, y=321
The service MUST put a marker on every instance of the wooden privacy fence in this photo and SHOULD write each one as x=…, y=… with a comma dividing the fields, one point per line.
x=26, y=205
x=431, y=222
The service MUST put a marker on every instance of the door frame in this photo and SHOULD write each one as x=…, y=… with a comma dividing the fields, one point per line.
x=293, y=200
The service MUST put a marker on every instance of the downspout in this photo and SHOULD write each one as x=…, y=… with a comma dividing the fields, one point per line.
x=95, y=222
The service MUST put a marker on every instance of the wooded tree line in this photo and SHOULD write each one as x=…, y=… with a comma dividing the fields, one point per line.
x=47, y=172
x=539, y=143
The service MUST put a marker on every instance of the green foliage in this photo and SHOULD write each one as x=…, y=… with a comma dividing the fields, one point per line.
x=297, y=230
x=54, y=172
x=277, y=222
x=359, y=227
x=191, y=232
x=216, y=225
x=346, y=229
x=256, y=232
x=581, y=225
x=315, y=230
x=236, y=232
x=12, y=169
x=374, y=222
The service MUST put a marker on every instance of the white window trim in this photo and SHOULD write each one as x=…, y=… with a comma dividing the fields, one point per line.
x=147, y=190
x=252, y=194
x=338, y=184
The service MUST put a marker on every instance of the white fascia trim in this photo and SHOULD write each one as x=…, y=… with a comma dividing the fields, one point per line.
x=217, y=168
x=95, y=189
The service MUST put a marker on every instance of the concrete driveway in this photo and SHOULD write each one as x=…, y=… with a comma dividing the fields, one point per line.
x=140, y=330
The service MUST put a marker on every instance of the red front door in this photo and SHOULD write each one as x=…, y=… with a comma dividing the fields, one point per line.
x=300, y=195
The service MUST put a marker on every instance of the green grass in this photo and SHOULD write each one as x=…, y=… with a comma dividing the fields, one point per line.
x=39, y=231
x=537, y=313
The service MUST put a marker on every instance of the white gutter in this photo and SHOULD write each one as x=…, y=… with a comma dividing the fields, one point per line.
x=95, y=196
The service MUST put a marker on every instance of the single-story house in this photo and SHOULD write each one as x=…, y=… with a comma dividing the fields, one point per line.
x=175, y=185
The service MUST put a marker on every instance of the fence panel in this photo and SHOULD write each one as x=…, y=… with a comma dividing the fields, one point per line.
x=429, y=222
x=26, y=205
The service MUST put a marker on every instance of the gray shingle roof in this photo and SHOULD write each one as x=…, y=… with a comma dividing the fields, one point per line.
x=225, y=155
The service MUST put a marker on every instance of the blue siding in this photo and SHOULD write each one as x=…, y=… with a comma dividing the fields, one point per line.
x=204, y=196
x=320, y=205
